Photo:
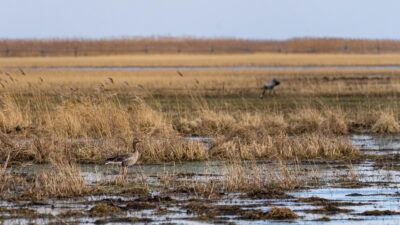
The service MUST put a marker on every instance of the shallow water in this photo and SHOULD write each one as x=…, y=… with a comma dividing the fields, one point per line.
x=377, y=189
x=376, y=144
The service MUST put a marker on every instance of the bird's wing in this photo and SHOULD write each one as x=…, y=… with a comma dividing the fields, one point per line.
x=118, y=158
x=269, y=84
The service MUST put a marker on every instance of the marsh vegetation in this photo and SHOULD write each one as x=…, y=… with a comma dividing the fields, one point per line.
x=209, y=142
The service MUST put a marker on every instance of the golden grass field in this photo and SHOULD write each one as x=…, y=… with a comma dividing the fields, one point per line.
x=204, y=60
x=318, y=105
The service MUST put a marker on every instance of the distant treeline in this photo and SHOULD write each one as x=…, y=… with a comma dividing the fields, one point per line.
x=86, y=47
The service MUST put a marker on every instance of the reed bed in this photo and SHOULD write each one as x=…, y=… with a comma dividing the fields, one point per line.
x=60, y=47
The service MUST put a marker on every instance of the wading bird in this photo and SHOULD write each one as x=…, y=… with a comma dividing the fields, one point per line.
x=269, y=86
x=126, y=160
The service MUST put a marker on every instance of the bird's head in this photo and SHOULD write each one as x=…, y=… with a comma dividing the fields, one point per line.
x=276, y=81
x=137, y=140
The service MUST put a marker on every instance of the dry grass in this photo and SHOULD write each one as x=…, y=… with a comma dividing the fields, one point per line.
x=59, y=47
x=61, y=180
x=302, y=147
x=71, y=85
x=387, y=123
x=64, y=180
x=203, y=60
x=87, y=116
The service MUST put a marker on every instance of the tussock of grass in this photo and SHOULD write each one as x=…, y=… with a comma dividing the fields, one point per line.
x=386, y=124
x=103, y=209
x=281, y=213
x=303, y=147
x=334, y=123
x=209, y=123
x=254, y=179
x=12, y=115
x=305, y=120
x=64, y=180
x=175, y=149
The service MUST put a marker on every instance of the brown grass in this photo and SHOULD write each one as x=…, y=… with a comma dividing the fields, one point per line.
x=87, y=116
x=60, y=180
x=203, y=60
x=64, y=180
x=59, y=47
x=387, y=123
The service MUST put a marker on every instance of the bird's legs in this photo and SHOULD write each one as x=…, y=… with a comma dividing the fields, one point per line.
x=126, y=172
x=262, y=94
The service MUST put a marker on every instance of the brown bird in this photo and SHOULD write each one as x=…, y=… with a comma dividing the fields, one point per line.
x=126, y=160
x=179, y=73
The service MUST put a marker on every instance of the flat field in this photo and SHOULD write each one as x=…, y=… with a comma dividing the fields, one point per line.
x=204, y=60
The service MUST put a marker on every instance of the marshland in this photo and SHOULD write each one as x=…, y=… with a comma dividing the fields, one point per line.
x=321, y=148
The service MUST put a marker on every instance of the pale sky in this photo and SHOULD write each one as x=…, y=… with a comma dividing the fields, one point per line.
x=249, y=19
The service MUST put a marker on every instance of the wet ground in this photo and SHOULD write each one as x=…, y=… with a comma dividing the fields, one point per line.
x=365, y=192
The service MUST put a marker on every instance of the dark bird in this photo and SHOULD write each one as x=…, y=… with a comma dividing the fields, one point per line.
x=179, y=72
x=269, y=86
x=22, y=72
x=126, y=160
x=111, y=80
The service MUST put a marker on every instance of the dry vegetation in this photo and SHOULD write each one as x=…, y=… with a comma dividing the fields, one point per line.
x=84, y=47
x=63, y=118
x=87, y=116
x=203, y=60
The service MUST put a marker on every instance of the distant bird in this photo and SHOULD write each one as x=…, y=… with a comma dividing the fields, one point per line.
x=21, y=71
x=140, y=86
x=179, y=72
x=126, y=160
x=269, y=86
x=111, y=80
x=125, y=83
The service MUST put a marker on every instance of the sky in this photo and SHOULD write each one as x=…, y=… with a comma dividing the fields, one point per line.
x=246, y=19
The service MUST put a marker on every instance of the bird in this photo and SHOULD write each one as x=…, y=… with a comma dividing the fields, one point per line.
x=179, y=73
x=126, y=160
x=21, y=71
x=269, y=86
